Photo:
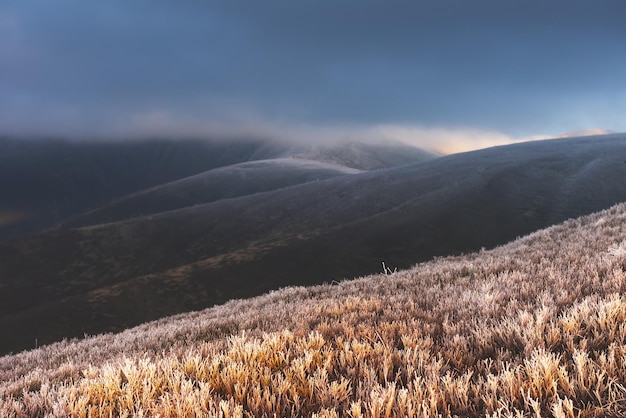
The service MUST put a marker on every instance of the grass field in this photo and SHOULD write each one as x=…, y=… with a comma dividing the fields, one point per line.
x=533, y=328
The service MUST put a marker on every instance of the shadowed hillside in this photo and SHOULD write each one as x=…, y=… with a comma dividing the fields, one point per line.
x=221, y=183
x=533, y=328
x=68, y=282
x=44, y=182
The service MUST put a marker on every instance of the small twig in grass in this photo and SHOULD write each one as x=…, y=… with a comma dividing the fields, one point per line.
x=387, y=271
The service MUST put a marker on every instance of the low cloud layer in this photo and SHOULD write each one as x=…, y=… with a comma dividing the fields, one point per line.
x=428, y=69
x=246, y=125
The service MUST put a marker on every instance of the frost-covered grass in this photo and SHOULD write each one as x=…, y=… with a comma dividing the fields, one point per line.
x=533, y=328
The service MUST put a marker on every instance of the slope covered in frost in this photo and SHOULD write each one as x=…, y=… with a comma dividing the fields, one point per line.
x=535, y=327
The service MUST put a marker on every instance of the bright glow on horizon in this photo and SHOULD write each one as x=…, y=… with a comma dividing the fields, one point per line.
x=241, y=123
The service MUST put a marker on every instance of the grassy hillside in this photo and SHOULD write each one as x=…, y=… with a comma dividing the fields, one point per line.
x=69, y=282
x=229, y=182
x=532, y=328
x=362, y=156
x=45, y=181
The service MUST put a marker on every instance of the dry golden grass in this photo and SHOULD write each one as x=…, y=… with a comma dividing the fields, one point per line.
x=534, y=328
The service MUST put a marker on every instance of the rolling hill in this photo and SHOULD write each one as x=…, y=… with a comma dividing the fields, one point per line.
x=45, y=181
x=229, y=182
x=532, y=328
x=67, y=282
x=361, y=156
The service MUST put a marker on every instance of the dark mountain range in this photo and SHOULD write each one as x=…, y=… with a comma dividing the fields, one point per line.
x=67, y=282
x=221, y=183
x=46, y=181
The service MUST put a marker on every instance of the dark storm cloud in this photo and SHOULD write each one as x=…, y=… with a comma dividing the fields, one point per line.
x=520, y=67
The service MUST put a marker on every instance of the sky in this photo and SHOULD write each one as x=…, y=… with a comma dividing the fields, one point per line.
x=447, y=75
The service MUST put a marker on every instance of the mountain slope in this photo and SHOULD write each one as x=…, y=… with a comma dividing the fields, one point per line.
x=531, y=328
x=113, y=276
x=221, y=183
x=362, y=156
x=44, y=182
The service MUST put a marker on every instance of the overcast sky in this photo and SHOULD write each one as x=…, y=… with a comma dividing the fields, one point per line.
x=434, y=73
